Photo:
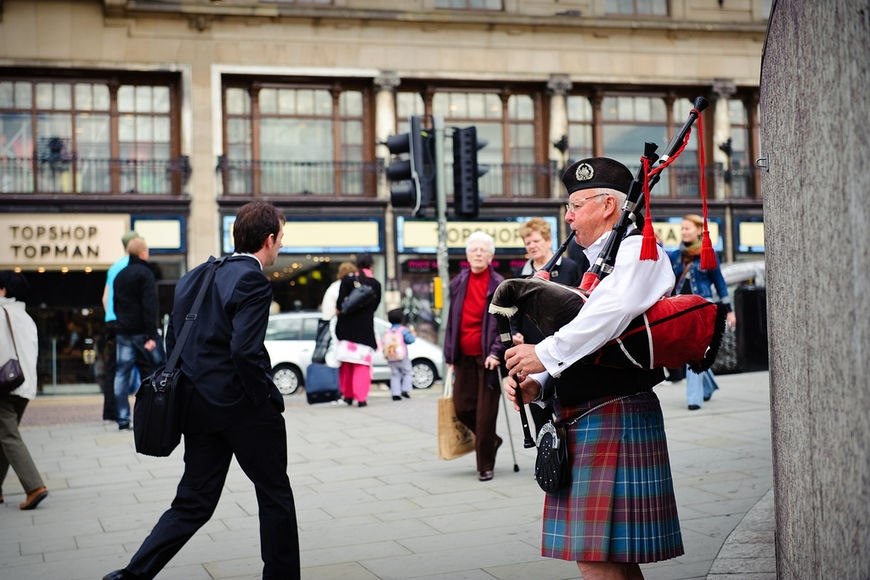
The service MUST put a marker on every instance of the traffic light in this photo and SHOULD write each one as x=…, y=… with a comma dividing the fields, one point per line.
x=466, y=172
x=412, y=178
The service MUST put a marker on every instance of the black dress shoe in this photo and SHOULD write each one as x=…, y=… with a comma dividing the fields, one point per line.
x=121, y=574
x=406, y=395
x=694, y=407
x=397, y=398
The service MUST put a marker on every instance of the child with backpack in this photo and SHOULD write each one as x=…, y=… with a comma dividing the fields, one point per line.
x=395, y=341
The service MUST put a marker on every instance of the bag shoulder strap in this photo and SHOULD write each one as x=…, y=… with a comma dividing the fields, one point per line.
x=194, y=312
x=11, y=334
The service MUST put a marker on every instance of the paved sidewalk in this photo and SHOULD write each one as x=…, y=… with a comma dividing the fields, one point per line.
x=375, y=502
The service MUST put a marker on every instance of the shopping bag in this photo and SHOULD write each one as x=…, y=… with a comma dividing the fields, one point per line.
x=454, y=438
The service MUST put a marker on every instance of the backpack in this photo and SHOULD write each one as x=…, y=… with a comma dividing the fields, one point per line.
x=394, y=345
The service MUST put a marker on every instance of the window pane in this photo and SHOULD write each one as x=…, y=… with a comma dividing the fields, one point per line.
x=408, y=104
x=295, y=140
x=161, y=99
x=238, y=102
x=737, y=113
x=62, y=96
x=15, y=140
x=44, y=95
x=477, y=106
x=521, y=107
x=161, y=129
x=143, y=100
x=580, y=141
x=101, y=97
x=84, y=97
x=126, y=128
x=125, y=99
x=350, y=103
x=579, y=109
x=351, y=133
x=286, y=102
x=23, y=95
x=144, y=128
x=238, y=131
x=268, y=101
x=7, y=93
x=305, y=102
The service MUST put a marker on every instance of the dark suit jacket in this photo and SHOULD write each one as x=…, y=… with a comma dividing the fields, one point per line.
x=224, y=357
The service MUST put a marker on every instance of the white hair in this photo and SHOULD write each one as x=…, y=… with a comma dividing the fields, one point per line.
x=479, y=236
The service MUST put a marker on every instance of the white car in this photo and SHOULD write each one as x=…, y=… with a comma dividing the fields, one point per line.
x=290, y=342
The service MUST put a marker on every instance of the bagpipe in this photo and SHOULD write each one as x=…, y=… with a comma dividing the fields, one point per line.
x=676, y=330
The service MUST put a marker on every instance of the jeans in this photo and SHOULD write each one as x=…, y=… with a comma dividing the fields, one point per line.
x=131, y=355
x=699, y=386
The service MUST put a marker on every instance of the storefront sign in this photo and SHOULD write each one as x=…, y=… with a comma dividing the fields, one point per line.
x=668, y=233
x=75, y=241
x=163, y=235
x=422, y=236
x=321, y=236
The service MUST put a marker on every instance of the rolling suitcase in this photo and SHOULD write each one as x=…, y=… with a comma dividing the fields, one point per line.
x=321, y=384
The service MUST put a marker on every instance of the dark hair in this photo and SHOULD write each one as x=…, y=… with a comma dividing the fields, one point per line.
x=255, y=222
x=16, y=285
x=364, y=261
x=396, y=316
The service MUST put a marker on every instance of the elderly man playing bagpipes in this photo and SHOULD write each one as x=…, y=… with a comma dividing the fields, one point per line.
x=598, y=356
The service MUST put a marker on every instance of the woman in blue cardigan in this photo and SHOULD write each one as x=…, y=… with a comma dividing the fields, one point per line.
x=691, y=279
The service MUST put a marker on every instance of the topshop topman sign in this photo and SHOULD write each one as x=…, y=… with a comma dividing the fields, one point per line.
x=74, y=241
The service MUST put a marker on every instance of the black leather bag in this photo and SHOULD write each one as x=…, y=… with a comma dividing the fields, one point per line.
x=552, y=465
x=157, y=413
x=361, y=296
x=158, y=410
x=321, y=342
x=11, y=375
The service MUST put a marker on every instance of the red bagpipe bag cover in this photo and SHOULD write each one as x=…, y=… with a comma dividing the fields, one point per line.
x=676, y=330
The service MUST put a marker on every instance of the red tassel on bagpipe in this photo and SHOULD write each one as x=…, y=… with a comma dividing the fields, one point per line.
x=708, y=256
x=648, y=248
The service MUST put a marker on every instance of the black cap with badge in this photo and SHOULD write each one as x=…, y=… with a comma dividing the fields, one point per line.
x=597, y=172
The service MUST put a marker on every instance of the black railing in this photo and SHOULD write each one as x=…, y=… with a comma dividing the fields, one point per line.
x=93, y=176
x=319, y=178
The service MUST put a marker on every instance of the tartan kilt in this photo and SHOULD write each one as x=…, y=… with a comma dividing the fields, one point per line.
x=620, y=505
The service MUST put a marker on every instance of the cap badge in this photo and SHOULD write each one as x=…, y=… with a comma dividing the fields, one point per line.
x=584, y=172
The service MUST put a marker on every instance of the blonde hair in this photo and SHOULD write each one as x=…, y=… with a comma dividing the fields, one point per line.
x=346, y=268
x=695, y=219
x=536, y=225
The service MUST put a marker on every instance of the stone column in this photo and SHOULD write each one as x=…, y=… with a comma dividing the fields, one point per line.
x=723, y=89
x=558, y=85
x=385, y=125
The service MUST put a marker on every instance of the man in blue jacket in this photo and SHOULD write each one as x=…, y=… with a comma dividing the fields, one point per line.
x=234, y=408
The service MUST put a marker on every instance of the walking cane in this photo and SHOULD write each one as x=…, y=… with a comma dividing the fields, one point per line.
x=506, y=420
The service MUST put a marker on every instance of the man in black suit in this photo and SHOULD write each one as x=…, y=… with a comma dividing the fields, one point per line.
x=234, y=408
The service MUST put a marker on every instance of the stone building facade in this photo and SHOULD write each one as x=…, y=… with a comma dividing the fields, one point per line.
x=167, y=115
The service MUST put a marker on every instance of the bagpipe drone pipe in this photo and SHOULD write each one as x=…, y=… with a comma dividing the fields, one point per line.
x=676, y=330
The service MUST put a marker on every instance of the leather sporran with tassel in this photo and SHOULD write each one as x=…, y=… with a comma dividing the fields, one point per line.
x=552, y=465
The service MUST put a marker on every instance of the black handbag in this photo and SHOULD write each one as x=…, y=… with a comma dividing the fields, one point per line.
x=158, y=409
x=11, y=375
x=552, y=466
x=321, y=342
x=361, y=296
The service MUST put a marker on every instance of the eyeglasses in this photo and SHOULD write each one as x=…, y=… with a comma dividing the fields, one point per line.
x=572, y=207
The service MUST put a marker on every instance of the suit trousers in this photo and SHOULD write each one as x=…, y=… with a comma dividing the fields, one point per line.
x=258, y=438
x=477, y=407
x=13, y=451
